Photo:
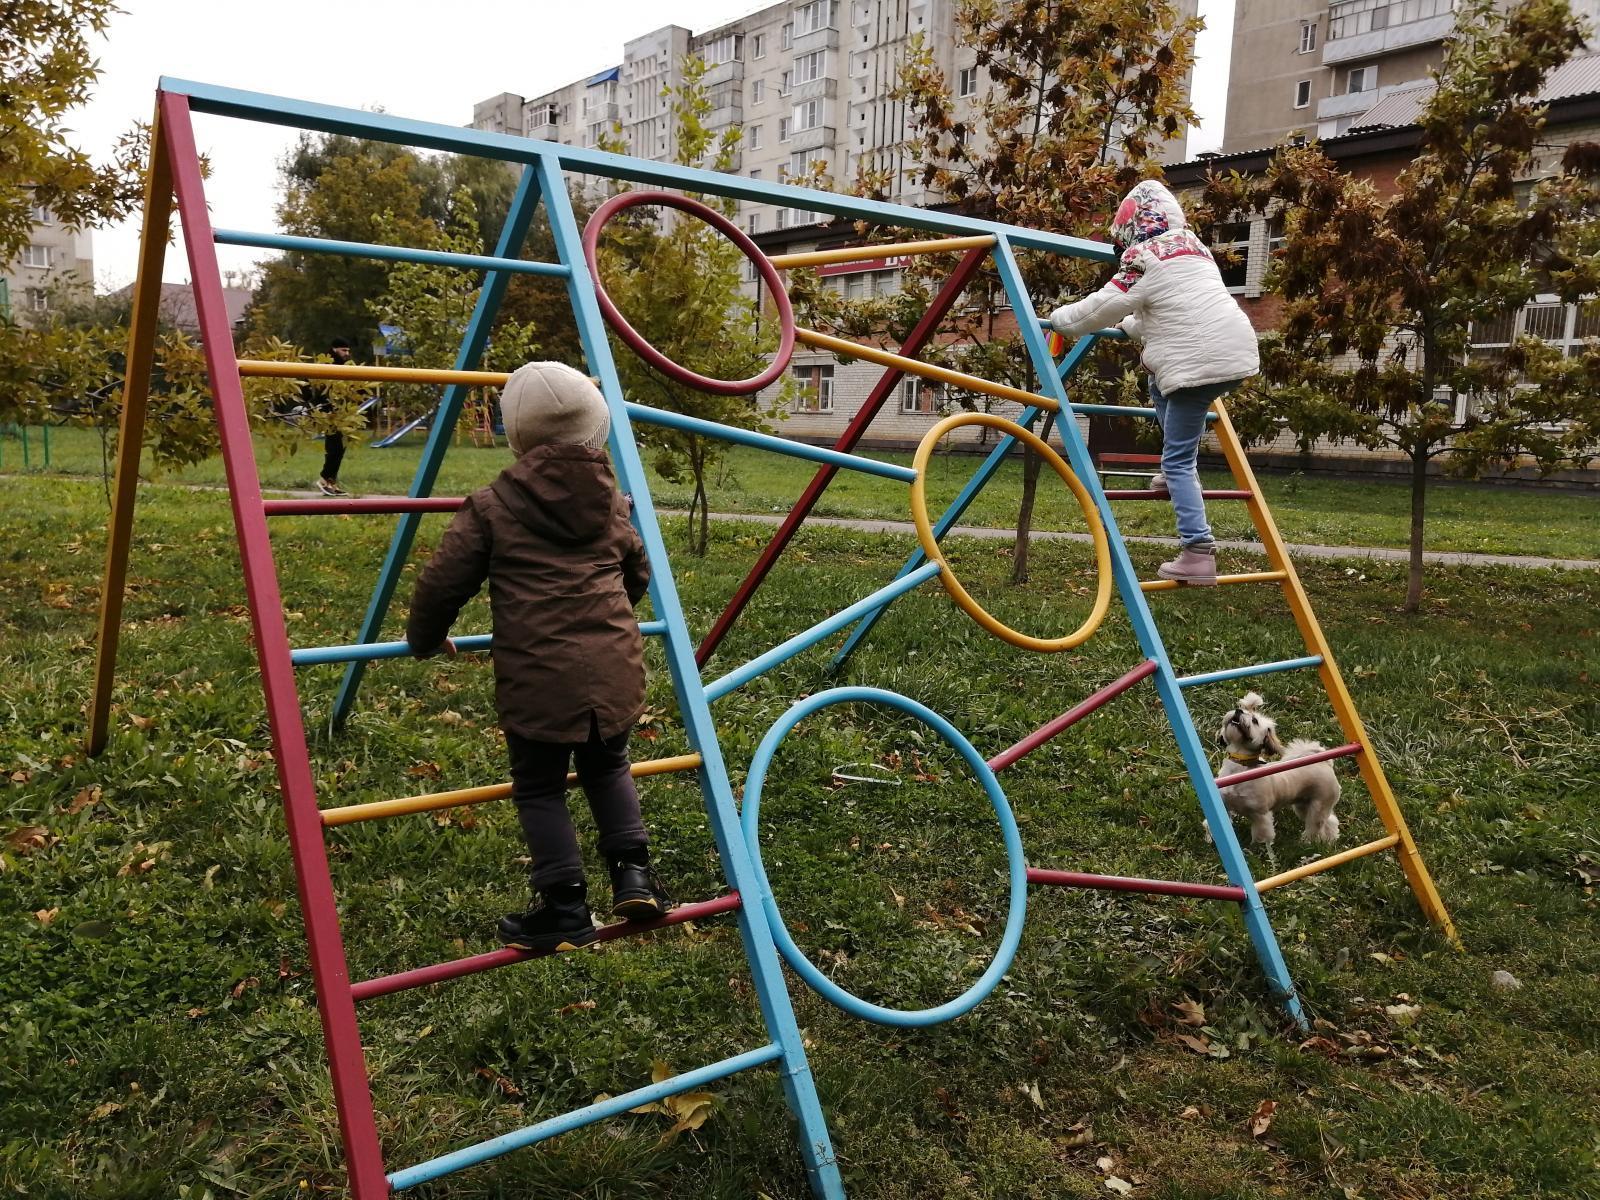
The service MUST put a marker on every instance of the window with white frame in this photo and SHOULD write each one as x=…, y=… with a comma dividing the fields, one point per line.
x=856, y=285
x=1361, y=79
x=807, y=115
x=787, y=37
x=921, y=396
x=36, y=256
x=808, y=68
x=758, y=45
x=783, y=129
x=758, y=91
x=780, y=219
x=755, y=173
x=541, y=115
x=809, y=18
x=802, y=161
x=1347, y=18
x=1308, y=36
x=1302, y=93
x=41, y=215
x=967, y=82
x=724, y=49
x=1231, y=242
x=786, y=83
x=755, y=222
x=885, y=283
x=753, y=136
x=38, y=300
x=816, y=389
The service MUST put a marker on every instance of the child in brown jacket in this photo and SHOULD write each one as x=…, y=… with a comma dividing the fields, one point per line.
x=565, y=568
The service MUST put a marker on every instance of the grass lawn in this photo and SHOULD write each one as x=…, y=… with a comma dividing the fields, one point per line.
x=1340, y=512
x=160, y=1037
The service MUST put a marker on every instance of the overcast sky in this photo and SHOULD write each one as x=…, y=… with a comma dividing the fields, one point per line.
x=402, y=57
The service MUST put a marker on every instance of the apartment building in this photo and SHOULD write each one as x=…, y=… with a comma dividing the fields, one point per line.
x=1303, y=70
x=54, y=258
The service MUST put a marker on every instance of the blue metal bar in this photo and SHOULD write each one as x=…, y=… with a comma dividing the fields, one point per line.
x=518, y=218
x=760, y=665
x=384, y=127
x=1178, y=716
x=1268, y=668
x=765, y=441
x=471, y=1156
x=962, y=502
x=310, y=245
x=722, y=813
x=314, y=656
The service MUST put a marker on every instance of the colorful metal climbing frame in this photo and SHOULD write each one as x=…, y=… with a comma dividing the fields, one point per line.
x=175, y=173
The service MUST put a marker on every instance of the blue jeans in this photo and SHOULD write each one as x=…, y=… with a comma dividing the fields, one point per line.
x=1182, y=417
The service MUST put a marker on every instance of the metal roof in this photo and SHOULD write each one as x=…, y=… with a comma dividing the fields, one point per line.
x=1575, y=77
x=604, y=77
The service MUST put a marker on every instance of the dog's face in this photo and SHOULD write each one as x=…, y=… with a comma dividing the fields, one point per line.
x=1248, y=730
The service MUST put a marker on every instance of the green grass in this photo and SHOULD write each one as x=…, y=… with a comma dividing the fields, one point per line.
x=1332, y=511
x=158, y=1034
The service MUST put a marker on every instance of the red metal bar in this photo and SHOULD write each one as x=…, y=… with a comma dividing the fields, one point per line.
x=1151, y=494
x=1071, y=717
x=352, y=1095
x=1288, y=764
x=1123, y=883
x=915, y=340
x=384, y=985
x=360, y=504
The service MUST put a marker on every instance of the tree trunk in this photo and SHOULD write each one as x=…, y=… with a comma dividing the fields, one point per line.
x=697, y=463
x=1419, y=487
x=1031, y=462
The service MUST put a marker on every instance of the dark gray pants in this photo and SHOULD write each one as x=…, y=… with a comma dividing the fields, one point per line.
x=539, y=790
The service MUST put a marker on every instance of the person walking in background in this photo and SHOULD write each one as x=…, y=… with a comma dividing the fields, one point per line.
x=316, y=397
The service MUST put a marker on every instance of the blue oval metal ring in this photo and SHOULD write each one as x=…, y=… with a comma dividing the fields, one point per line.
x=750, y=817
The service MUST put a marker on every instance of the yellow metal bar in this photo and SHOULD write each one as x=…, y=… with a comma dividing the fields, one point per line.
x=1343, y=706
x=130, y=429
x=434, y=801
x=849, y=254
x=911, y=366
x=1325, y=864
x=265, y=369
x=1166, y=585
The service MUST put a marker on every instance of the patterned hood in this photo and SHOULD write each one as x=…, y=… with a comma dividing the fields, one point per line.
x=1146, y=212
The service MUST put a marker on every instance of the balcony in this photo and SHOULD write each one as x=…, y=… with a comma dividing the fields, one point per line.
x=826, y=88
x=605, y=113
x=731, y=113
x=820, y=137
x=1330, y=107
x=727, y=72
x=1378, y=42
x=547, y=130
x=826, y=38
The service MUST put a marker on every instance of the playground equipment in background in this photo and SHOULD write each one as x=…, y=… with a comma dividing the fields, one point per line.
x=175, y=169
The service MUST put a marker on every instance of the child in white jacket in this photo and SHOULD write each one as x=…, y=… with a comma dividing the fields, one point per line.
x=1198, y=345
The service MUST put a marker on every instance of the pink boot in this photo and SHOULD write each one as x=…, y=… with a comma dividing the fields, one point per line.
x=1195, y=565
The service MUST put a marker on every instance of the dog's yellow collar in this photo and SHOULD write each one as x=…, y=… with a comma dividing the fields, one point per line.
x=1244, y=758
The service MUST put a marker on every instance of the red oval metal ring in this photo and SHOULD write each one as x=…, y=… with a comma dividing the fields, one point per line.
x=630, y=335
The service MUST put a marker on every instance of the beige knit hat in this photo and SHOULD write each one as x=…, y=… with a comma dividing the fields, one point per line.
x=549, y=403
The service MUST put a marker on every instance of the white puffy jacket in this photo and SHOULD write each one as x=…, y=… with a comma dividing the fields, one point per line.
x=1169, y=294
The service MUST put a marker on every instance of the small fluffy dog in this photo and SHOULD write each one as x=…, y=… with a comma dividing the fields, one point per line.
x=1251, y=736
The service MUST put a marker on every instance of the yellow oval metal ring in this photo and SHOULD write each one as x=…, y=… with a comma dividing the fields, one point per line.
x=930, y=546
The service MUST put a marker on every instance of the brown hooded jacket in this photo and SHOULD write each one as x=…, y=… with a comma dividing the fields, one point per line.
x=565, y=569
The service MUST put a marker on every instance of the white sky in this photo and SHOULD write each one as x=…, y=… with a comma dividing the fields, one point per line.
x=401, y=57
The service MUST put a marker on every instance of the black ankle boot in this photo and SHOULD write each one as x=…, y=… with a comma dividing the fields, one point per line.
x=558, y=920
x=636, y=891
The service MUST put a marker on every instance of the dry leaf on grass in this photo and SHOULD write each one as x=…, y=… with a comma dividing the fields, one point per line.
x=45, y=915
x=1198, y=1045
x=1190, y=1012
x=1262, y=1120
x=500, y=1081
x=87, y=798
x=1031, y=1091
x=575, y=1006
x=687, y=1110
x=1080, y=1135
x=1117, y=1184
x=28, y=839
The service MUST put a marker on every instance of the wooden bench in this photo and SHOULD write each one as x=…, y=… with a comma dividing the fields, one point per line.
x=1108, y=462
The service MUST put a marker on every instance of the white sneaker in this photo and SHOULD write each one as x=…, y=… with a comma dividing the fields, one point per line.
x=1158, y=483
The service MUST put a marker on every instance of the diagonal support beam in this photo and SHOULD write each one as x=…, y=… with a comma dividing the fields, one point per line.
x=130, y=429
x=520, y=216
x=943, y=301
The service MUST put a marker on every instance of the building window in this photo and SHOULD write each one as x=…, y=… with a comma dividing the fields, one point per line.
x=809, y=18
x=758, y=91
x=36, y=256
x=780, y=220
x=1346, y=18
x=755, y=222
x=788, y=36
x=807, y=115
x=967, y=82
x=1232, y=245
x=541, y=115
x=810, y=67
x=754, y=134
x=816, y=389
x=41, y=215
x=802, y=161
x=724, y=49
x=38, y=300
x=1302, y=93
x=922, y=396
x=755, y=173
x=1361, y=79
x=758, y=45
x=786, y=83
x=783, y=129
x=1308, y=37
